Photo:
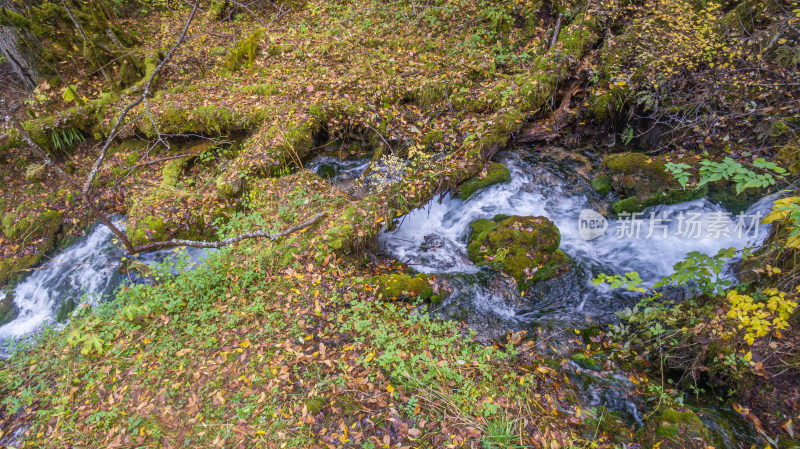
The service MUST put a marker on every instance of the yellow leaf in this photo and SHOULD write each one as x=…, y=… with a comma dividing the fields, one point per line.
x=245, y=344
x=748, y=356
x=390, y=389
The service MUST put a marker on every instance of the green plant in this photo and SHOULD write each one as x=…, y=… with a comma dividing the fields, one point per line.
x=679, y=171
x=499, y=433
x=65, y=139
x=627, y=135
x=701, y=271
x=787, y=212
x=743, y=177
x=631, y=281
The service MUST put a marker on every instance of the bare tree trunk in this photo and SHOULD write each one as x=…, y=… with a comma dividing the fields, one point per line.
x=18, y=48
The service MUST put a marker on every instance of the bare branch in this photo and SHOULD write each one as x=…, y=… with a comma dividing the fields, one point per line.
x=229, y=241
x=557, y=31
x=42, y=154
x=145, y=92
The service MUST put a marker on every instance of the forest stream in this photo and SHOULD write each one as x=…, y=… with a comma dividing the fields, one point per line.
x=432, y=239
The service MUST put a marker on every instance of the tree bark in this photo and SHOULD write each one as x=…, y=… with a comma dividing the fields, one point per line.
x=18, y=47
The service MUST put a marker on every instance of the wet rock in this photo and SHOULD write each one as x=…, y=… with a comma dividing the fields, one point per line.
x=65, y=310
x=724, y=193
x=327, y=171
x=525, y=248
x=432, y=241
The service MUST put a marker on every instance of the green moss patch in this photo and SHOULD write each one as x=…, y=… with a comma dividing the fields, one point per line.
x=179, y=214
x=674, y=429
x=602, y=185
x=244, y=53
x=397, y=286
x=495, y=173
x=46, y=224
x=525, y=248
x=587, y=363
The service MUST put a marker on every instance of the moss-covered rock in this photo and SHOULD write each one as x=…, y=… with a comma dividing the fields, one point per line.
x=147, y=229
x=494, y=173
x=244, y=53
x=645, y=182
x=168, y=212
x=35, y=229
x=8, y=310
x=230, y=184
x=45, y=224
x=395, y=286
x=525, y=248
x=636, y=204
x=674, y=429
x=602, y=185
x=172, y=172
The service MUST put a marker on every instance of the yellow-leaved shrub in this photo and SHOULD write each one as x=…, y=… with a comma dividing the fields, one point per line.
x=758, y=318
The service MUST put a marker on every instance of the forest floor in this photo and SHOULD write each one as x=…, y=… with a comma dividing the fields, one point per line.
x=289, y=343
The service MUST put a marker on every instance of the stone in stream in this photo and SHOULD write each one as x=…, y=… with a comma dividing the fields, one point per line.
x=644, y=181
x=525, y=248
x=432, y=241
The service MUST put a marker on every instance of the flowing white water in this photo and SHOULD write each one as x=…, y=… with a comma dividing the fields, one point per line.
x=342, y=170
x=432, y=239
x=87, y=271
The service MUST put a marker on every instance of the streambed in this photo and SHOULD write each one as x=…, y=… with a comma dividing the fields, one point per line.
x=550, y=185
